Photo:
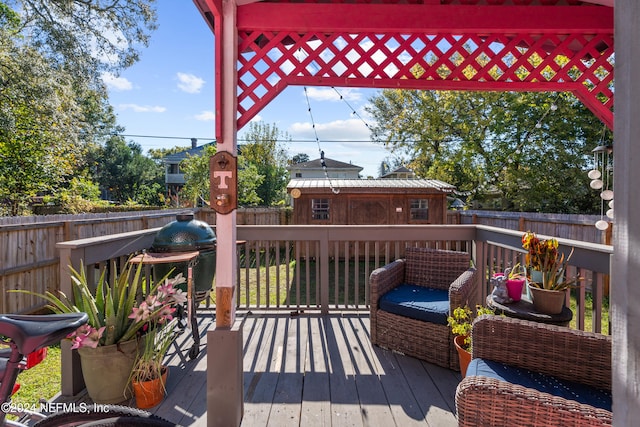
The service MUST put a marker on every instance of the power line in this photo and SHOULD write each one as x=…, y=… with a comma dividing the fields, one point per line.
x=159, y=136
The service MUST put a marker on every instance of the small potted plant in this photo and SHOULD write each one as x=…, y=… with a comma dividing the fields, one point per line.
x=461, y=321
x=516, y=278
x=149, y=374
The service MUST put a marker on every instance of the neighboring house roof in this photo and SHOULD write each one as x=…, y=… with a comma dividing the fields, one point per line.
x=401, y=169
x=372, y=184
x=178, y=157
x=330, y=163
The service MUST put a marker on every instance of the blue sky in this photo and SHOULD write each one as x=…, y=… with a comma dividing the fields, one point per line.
x=170, y=93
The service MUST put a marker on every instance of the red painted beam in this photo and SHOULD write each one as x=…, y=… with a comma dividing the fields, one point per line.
x=410, y=18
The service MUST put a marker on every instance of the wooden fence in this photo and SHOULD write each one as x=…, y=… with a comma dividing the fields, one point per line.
x=565, y=226
x=30, y=260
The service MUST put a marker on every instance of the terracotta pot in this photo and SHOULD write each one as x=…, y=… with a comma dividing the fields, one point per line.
x=106, y=371
x=547, y=301
x=463, y=355
x=149, y=393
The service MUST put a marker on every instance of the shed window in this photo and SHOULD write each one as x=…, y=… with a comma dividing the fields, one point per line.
x=320, y=209
x=419, y=209
x=298, y=174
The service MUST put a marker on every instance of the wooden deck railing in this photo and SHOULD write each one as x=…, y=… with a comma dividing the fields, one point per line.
x=327, y=268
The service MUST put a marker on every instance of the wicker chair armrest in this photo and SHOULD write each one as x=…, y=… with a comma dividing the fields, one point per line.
x=489, y=402
x=463, y=291
x=385, y=278
x=569, y=354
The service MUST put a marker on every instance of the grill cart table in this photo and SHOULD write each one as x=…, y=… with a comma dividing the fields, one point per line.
x=155, y=258
x=524, y=309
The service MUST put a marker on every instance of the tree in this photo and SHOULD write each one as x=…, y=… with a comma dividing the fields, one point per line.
x=270, y=160
x=87, y=37
x=127, y=175
x=249, y=180
x=488, y=142
x=40, y=120
x=299, y=158
x=53, y=104
x=196, y=175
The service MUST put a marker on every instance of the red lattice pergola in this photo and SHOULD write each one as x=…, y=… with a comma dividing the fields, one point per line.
x=518, y=45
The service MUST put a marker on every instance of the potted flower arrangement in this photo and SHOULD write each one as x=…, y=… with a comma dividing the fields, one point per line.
x=110, y=341
x=149, y=375
x=547, y=266
x=461, y=322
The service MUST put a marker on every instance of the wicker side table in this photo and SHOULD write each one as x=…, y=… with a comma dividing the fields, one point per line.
x=524, y=309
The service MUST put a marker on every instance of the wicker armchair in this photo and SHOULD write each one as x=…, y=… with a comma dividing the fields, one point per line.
x=429, y=268
x=557, y=353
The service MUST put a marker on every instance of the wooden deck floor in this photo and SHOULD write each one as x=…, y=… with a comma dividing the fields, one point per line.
x=313, y=370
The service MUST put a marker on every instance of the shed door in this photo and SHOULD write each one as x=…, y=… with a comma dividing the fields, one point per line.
x=368, y=211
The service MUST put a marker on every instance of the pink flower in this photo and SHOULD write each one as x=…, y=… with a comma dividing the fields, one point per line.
x=140, y=314
x=165, y=314
x=86, y=336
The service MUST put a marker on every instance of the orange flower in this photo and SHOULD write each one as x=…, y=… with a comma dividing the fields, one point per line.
x=543, y=255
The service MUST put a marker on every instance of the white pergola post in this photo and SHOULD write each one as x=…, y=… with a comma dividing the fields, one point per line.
x=625, y=285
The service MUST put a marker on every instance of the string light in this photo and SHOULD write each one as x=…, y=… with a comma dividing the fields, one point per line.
x=322, y=161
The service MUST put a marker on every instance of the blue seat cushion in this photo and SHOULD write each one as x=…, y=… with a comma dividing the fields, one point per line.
x=544, y=383
x=417, y=302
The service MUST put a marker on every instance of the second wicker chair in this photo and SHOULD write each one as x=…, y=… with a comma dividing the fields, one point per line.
x=412, y=297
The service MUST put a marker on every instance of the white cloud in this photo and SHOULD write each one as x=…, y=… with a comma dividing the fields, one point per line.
x=337, y=130
x=143, y=108
x=189, y=83
x=206, y=116
x=116, y=83
x=256, y=118
x=331, y=94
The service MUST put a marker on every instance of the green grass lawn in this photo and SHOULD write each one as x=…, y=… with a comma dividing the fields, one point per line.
x=305, y=290
x=588, y=316
x=40, y=382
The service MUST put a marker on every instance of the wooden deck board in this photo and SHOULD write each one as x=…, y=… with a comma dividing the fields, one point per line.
x=312, y=370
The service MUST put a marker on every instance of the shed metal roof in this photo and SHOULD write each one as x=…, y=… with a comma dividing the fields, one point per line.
x=377, y=184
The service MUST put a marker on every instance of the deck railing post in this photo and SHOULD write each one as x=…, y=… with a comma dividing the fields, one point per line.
x=324, y=274
x=72, y=381
x=478, y=257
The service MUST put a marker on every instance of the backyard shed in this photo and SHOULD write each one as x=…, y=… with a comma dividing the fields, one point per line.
x=369, y=201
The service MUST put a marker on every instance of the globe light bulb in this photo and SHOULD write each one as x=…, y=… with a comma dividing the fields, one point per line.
x=602, y=225
x=607, y=195
x=610, y=213
x=596, y=184
x=611, y=204
x=594, y=174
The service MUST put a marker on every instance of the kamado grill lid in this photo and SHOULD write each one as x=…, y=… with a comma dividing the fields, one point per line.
x=184, y=234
